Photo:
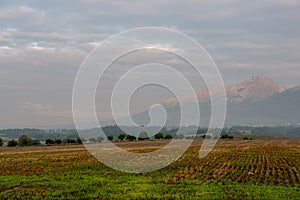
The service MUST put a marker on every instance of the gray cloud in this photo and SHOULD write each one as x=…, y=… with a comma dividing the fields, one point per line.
x=42, y=44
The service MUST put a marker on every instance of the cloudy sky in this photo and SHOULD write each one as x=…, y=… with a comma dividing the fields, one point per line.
x=43, y=43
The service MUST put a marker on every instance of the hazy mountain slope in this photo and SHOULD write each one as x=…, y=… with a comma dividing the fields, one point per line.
x=254, y=89
x=258, y=100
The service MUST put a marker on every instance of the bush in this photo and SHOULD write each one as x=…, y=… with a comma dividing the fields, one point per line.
x=168, y=137
x=57, y=141
x=130, y=138
x=230, y=137
x=226, y=136
x=206, y=136
x=246, y=138
x=122, y=136
x=35, y=142
x=78, y=140
x=24, y=140
x=143, y=136
x=49, y=141
x=110, y=137
x=70, y=141
x=12, y=143
x=1, y=142
x=159, y=136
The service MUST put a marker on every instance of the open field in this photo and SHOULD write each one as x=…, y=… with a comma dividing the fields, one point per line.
x=237, y=169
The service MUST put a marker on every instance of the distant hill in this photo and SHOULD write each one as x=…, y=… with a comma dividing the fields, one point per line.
x=40, y=134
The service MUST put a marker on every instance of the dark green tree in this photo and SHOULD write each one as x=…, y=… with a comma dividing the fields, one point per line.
x=12, y=143
x=143, y=135
x=57, y=141
x=35, y=142
x=130, y=137
x=121, y=136
x=78, y=140
x=110, y=137
x=70, y=141
x=49, y=141
x=168, y=137
x=159, y=136
x=226, y=136
x=1, y=142
x=24, y=140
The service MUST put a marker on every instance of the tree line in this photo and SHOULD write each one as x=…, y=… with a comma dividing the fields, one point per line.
x=142, y=136
x=24, y=140
x=115, y=131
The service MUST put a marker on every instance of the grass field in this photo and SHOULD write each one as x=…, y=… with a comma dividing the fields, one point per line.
x=237, y=169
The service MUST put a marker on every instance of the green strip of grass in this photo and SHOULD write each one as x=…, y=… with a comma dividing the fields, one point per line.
x=134, y=187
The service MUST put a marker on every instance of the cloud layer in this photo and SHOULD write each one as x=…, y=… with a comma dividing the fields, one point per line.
x=42, y=44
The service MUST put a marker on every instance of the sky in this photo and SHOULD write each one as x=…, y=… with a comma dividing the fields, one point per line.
x=43, y=43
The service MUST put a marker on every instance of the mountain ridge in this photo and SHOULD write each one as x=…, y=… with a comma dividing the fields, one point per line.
x=255, y=101
x=256, y=88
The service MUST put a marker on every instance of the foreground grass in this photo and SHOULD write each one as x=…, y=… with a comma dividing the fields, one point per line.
x=90, y=187
x=224, y=174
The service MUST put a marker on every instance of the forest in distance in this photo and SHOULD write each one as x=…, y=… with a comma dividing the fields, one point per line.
x=115, y=131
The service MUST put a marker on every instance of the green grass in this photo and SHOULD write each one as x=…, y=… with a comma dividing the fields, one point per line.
x=77, y=175
x=89, y=186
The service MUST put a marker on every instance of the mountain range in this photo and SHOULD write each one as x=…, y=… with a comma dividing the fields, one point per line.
x=255, y=89
x=255, y=101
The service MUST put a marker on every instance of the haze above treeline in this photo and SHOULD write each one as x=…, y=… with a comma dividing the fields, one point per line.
x=43, y=134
